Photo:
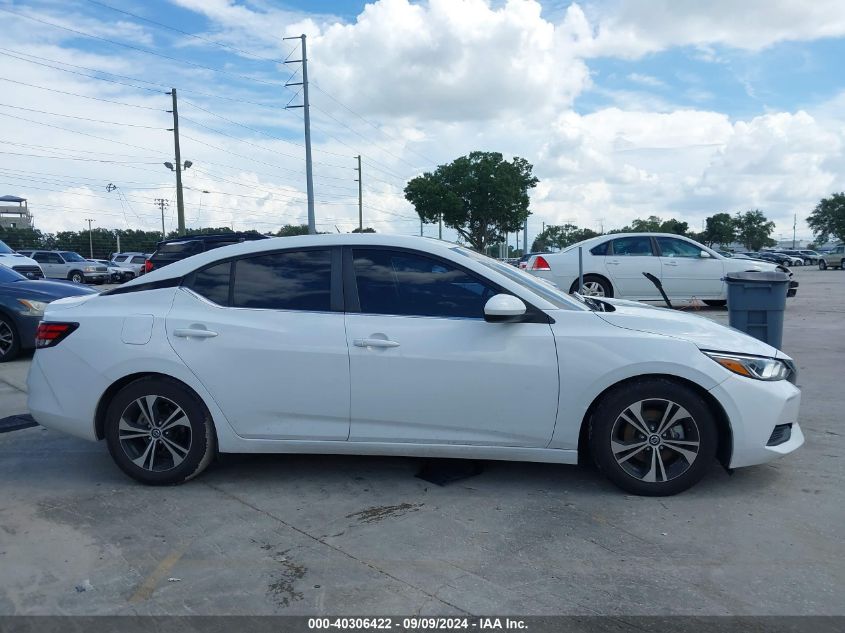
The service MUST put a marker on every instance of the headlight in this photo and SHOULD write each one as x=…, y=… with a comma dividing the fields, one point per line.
x=757, y=367
x=90, y=269
x=33, y=308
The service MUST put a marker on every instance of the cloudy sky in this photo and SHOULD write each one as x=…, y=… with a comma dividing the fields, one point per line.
x=676, y=108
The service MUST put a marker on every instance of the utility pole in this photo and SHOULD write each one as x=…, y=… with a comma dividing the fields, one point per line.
x=440, y=226
x=525, y=237
x=309, y=176
x=360, y=197
x=162, y=204
x=90, y=238
x=794, y=224
x=180, y=204
x=421, y=223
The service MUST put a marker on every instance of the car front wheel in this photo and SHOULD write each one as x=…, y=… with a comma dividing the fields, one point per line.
x=159, y=432
x=653, y=437
x=77, y=277
x=822, y=265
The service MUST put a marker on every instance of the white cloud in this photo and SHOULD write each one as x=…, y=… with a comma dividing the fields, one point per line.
x=632, y=28
x=646, y=80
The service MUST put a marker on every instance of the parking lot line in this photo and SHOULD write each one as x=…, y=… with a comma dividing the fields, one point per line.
x=146, y=588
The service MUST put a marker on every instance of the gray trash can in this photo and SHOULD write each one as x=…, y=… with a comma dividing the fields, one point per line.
x=756, y=301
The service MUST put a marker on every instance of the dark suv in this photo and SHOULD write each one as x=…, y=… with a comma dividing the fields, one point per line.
x=169, y=251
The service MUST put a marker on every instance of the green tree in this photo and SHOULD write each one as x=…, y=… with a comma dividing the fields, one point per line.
x=753, y=230
x=366, y=229
x=561, y=236
x=719, y=229
x=674, y=226
x=828, y=218
x=481, y=195
x=289, y=230
x=654, y=224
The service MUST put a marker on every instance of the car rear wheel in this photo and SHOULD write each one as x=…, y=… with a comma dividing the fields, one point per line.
x=159, y=432
x=822, y=265
x=594, y=286
x=10, y=344
x=653, y=437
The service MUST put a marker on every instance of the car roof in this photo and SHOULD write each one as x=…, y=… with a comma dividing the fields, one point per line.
x=189, y=264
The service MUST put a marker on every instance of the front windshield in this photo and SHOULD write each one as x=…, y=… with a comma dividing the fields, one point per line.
x=550, y=293
x=4, y=249
x=7, y=275
x=72, y=257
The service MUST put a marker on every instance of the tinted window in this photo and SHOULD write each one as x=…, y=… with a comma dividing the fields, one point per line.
x=396, y=282
x=72, y=257
x=601, y=249
x=670, y=247
x=639, y=245
x=140, y=259
x=213, y=283
x=47, y=258
x=295, y=280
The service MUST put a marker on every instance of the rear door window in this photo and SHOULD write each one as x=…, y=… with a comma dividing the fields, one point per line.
x=290, y=280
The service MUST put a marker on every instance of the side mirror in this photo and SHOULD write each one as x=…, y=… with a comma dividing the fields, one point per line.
x=504, y=308
x=704, y=254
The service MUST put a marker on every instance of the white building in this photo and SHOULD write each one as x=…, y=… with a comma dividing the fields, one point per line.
x=14, y=213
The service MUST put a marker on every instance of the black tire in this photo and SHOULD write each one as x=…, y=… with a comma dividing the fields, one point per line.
x=605, y=285
x=822, y=265
x=842, y=264
x=716, y=303
x=641, y=457
x=10, y=342
x=200, y=446
x=76, y=277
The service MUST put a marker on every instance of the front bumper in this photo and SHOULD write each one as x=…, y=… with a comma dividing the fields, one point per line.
x=97, y=277
x=755, y=408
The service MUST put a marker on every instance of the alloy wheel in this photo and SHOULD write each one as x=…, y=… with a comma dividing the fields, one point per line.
x=592, y=289
x=655, y=440
x=7, y=338
x=154, y=432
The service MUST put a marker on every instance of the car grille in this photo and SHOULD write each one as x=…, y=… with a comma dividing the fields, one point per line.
x=31, y=272
x=781, y=434
x=102, y=269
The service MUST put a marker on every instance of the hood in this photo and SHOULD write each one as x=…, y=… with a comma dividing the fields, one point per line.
x=42, y=290
x=14, y=259
x=700, y=331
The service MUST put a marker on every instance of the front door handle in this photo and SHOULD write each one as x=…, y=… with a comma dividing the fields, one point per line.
x=613, y=262
x=670, y=263
x=374, y=342
x=194, y=333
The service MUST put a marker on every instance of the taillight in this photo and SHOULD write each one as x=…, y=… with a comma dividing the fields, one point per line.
x=148, y=266
x=51, y=334
x=540, y=263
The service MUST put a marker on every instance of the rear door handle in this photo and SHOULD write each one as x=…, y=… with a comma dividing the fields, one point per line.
x=374, y=342
x=670, y=263
x=194, y=333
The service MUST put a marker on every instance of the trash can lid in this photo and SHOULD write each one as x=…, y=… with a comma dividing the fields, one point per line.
x=759, y=276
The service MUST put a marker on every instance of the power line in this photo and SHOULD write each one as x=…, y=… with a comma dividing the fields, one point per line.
x=80, y=118
x=191, y=35
x=89, y=160
x=76, y=94
x=139, y=48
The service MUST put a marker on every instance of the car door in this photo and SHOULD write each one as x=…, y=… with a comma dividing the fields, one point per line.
x=427, y=368
x=51, y=264
x=685, y=273
x=626, y=261
x=265, y=335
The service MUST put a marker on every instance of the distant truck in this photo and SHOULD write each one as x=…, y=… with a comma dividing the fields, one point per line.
x=833, y=259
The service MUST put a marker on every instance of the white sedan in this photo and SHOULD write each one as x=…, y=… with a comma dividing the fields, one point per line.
x=614, y=264
x=386, y=345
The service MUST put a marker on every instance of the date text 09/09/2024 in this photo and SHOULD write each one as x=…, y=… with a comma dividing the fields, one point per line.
x=416, y=623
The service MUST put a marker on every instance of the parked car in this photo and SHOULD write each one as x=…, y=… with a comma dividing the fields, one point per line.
x=614, y=267
x=173, y=367
x=808, y=256
x=786, y=258
x=523, y=261
x=833, y=259
x=169, y=251
x=22, y=303
x=69, y=265
x=20, y=263
x=133, y=261
x=118, y=273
